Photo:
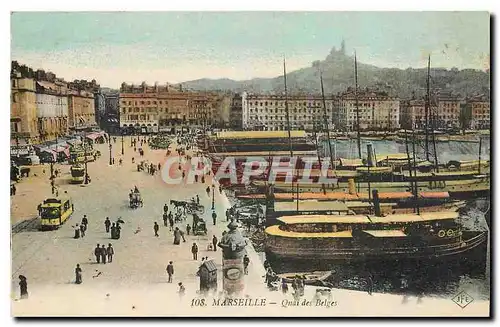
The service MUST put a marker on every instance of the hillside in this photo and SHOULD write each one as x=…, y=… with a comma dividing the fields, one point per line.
x=338, y=74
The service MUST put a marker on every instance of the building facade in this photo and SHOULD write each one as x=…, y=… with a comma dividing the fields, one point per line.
x=151, y=109
x=448, y=111
x=52, y=109
x=23, y=110
x=478, y=112
x=377, y=110
x=81, y=109
x=236, y=115
x=413, y=113
x=268, y=112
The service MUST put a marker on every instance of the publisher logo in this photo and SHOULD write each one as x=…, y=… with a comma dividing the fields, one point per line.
x=462, y=299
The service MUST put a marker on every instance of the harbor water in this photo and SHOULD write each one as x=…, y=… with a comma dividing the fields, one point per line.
x=451, y=150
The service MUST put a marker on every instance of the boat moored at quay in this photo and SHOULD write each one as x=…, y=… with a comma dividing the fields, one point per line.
x=365, y=237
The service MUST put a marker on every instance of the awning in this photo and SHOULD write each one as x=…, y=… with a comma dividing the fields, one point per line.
x=351, y=162
x=385, y=233
x=93, y=136
x=434, y=195
x=74, y=141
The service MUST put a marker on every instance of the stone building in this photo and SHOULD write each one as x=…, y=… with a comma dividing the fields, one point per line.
x=477, y=112
x=23, y=110
x=236, y=115
x=413, y=113
x=267, y=112
x=52, y=109
x=377, y=110
x=81, y=109
x=150, y=109
x=448, y=111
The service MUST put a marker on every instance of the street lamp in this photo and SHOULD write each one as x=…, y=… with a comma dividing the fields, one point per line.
x=110, y=159
x=122, y=145
x=213, y=197
x=85, y=162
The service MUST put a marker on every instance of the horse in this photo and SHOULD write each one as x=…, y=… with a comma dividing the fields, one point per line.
x=25, y=171
x=182, y=204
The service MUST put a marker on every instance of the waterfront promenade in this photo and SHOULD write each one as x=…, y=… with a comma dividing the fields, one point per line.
x=135, y=283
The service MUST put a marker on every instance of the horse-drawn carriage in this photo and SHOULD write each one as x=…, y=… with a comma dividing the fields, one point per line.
x=189, y=207
x=141, y=166
x=199, y=225
x=135, y=200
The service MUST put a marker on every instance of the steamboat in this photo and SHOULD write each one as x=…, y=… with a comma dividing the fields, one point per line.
x=427, y=235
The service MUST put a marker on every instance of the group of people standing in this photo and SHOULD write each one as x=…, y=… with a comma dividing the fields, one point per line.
x=102, y=253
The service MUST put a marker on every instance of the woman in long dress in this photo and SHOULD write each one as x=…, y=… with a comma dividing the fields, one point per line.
x=78, y=274
x=177, y=236
x=23, y=285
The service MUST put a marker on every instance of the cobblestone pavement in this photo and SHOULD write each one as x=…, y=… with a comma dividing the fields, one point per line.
x=135, y=283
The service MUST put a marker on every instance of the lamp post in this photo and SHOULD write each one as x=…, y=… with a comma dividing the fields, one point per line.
x=85, y=162
x=110, y=159
x=213, y=197
x=122, y=145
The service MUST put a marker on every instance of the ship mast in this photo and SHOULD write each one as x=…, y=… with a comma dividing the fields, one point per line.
x=427, y=109
x=287, y=111
x=433, y=115
x=325, y=119
x=357, y=104
x=415, y=174
x=289, y=130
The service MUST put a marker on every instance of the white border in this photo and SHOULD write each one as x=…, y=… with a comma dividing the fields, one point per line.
x=213, y=5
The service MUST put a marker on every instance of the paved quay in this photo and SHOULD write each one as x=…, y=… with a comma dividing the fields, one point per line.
x=135, y=283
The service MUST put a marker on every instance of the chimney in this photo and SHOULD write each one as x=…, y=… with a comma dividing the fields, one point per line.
x=369, y=149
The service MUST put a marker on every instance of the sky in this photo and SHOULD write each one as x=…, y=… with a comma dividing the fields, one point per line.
x=116, y=47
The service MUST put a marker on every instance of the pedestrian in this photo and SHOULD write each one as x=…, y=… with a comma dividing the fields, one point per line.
x=284, y=286
x=107, y=224
x=135, y=149
x=113, y=161
x=110, y=252
x=170, y=271
x=103, y=254
x=220, y=189
x=159, y=167
x=203, y=179
x=194, y=251
x=78, y=274
x=77, y=231
x=82, y=230
x=214, y=217
x=177, y=236
x=165, y=208
x=214, y=242
x=197, y=199
x=113, y=231
x=165, y=220
x=23, y=285
x=196, y=178
x=120, y=161
x=171, y=221
x=97, y=253
x=133, y=160
x=183, y=174
x=14, y=189
x=246, y=261
x=85, y=220
x=182, y=290
x=156, y=228
x=188, y=228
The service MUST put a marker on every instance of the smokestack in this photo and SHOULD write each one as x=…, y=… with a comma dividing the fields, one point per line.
x=369, y=149
x=376, y=203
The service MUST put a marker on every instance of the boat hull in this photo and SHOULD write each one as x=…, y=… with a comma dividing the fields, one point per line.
x=328, y=250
